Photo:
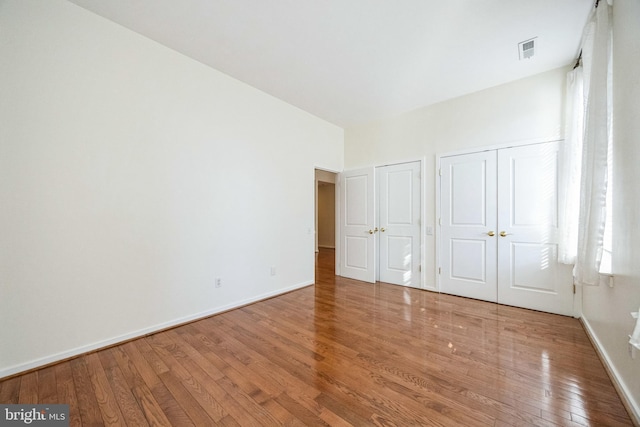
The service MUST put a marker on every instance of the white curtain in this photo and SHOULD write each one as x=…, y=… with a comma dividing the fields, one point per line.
x=593, y=135
x=570, y=172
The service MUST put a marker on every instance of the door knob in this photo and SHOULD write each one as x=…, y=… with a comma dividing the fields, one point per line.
x=491, y=233
x=504, y=234
x=370, y=232
x=375, y=230
x=382, y=229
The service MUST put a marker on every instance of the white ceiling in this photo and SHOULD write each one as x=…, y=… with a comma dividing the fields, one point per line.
x=349, y=61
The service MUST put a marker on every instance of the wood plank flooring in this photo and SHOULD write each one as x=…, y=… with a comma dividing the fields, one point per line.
x=341, y=353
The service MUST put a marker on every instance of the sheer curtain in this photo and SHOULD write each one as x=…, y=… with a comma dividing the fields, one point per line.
x=588, y=131
x=570, y=172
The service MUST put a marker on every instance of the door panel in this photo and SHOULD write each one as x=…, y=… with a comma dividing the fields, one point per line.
x=529, y=274
x=469, y=191
x=357, y=198
x=357, y=218
x=532, y=266
x=468, y=215
x=356, y=252
x=399, y=223
x=399, y=251
x=468, y=260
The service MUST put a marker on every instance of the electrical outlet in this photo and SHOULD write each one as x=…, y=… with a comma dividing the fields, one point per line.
x=218, y=282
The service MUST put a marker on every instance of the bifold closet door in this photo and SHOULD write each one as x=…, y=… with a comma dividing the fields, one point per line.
x=399, y=223
x=529, y=274
x=358, y=251
x=380, y=224
x=499, y=232
x=468, y=226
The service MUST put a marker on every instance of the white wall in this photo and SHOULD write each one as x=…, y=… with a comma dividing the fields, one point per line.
x=528, y=109
x=131, y=177
x=606, y=310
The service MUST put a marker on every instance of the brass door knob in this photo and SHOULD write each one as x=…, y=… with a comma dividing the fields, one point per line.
x=491, y=233
x=370, y=231
x=504, y=234
x=382, y=229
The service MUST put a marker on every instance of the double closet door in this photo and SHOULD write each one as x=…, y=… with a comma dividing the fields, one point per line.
x=499, y=228
x=380, y=224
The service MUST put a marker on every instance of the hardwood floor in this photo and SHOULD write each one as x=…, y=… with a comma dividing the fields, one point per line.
x=341, y=352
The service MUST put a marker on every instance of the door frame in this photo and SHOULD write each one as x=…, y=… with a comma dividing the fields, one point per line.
x=577, y=305
x=423, y=162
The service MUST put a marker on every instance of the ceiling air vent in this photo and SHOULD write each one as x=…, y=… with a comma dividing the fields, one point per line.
x=526, y=48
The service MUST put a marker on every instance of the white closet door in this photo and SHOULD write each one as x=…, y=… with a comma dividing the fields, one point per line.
x=357, y=222
x=468, y=226
x=399, y=224
x=529, y=274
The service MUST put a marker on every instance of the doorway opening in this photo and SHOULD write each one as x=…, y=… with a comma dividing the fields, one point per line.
x=325, y=212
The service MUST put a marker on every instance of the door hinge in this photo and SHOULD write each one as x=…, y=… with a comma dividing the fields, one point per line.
x=574, y=288
x=420, y=267
x=439, y=221
x=439, y=172
x=439, y=270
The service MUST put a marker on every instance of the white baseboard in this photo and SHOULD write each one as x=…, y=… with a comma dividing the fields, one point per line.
x=48, y=360
x=623, y=391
